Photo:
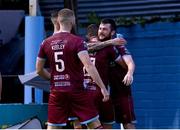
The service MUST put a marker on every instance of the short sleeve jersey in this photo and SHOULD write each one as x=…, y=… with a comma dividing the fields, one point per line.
x=123, y=50
x=117, y=72
x=61, y=51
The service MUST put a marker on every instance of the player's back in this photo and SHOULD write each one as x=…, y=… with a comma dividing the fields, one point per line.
x=62, y=51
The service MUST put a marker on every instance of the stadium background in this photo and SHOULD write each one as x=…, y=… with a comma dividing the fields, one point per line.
x=152, y=30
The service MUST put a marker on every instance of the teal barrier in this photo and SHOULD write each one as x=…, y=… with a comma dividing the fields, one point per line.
x=14, y=113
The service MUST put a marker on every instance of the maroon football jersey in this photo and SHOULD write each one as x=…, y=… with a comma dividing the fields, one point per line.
x=122, y=50
x=61, y=51
x=101, y=59
x=115, y=68
x=117, y=72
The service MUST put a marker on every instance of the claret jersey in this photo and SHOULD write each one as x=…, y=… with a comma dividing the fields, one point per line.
x=61, y=51
x=101, y=59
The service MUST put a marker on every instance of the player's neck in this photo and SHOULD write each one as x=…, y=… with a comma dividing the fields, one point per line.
x=56, y=31
x=65, y=29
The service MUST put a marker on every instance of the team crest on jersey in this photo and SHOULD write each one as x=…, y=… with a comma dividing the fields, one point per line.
x=66, y=76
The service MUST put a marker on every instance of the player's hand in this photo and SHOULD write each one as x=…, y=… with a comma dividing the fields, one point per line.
x=119, y=41
x=128, y=79
x=105, y=95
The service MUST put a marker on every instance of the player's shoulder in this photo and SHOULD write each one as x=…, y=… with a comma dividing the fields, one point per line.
x=123, y=50
x=76, y=37
x=120, y=47
x=77, y=40
x=46, y=40
x=50, y=38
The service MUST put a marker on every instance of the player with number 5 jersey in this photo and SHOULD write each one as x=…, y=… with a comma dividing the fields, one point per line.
x=65, y=66
x=66, y=55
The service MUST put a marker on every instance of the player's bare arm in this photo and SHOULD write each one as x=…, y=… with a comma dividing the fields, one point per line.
x=41, y=71
x=128, y=78
x=92, y=71
x=99, y=45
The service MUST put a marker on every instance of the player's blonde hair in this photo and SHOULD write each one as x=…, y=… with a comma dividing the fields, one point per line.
x=66, y=16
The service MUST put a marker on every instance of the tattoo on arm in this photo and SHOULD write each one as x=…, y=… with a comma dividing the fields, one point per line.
x=99, y=45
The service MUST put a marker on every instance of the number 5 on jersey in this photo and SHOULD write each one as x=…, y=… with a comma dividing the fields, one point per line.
x=59, y=63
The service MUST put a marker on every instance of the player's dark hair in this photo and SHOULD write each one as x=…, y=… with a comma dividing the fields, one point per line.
x=92, y=30
x=109, y=21
x=54, y=14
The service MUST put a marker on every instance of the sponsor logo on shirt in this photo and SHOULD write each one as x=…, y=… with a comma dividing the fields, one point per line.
x=62, y=84
x=62, y=77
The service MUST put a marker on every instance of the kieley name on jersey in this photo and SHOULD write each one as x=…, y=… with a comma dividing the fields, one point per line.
x=57, y=47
